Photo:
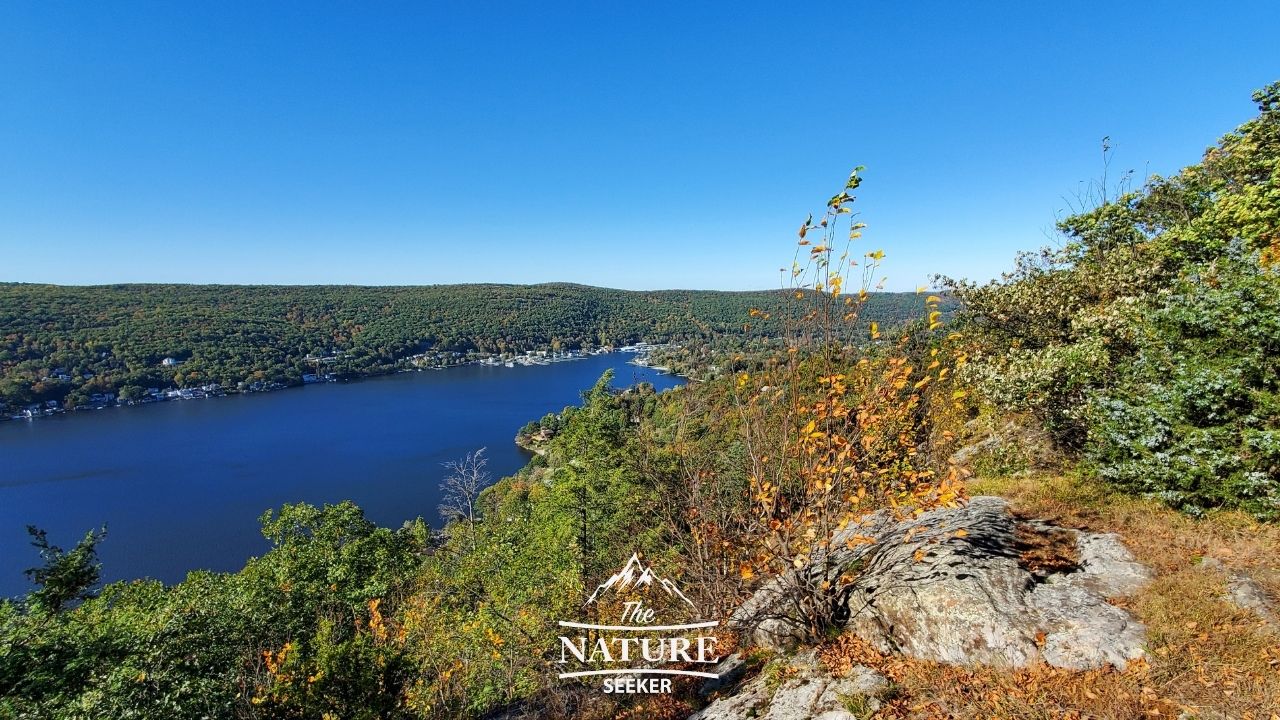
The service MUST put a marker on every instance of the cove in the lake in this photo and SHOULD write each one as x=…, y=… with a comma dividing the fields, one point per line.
x=180, y=485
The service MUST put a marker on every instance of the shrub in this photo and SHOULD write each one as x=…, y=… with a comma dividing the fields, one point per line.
x=1148, y=343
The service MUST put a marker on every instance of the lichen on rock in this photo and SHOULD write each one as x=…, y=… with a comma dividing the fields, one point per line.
x=952, y=586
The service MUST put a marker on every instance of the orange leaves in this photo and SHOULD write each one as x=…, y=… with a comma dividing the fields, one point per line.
x=857, y=540
x=275, y=660
x=377, y=626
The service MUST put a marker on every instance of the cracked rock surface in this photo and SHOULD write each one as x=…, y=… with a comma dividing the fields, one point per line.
x=806, y=692
x=952, y=586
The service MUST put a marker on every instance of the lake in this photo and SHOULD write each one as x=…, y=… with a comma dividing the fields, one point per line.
x=180, y=485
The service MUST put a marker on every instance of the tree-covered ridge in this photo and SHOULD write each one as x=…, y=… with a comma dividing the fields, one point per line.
x=66, y=342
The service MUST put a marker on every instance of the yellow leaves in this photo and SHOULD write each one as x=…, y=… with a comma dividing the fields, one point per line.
x=960, y=533
x=875, y=331
x=377, y=626
x=494, y=637
x=746, y=572
x=876, y=255
x=958, y=394
x=810, y=432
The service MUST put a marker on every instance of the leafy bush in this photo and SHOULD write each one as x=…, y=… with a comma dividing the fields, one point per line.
x=1148, y=343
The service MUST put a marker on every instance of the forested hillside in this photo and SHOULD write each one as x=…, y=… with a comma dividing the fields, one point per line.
x=115, y=338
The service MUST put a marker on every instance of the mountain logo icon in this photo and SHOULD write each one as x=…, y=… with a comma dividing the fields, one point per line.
x=638, y=576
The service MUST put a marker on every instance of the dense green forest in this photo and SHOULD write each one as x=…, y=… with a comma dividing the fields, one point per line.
x=66, y=343
x=1144, y=350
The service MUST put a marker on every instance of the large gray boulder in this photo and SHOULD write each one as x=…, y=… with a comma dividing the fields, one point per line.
x=952, y=586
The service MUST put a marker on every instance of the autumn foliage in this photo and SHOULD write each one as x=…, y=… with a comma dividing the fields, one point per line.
x=841, y=423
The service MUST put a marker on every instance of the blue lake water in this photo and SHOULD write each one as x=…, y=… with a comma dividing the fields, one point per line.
x=180, y=485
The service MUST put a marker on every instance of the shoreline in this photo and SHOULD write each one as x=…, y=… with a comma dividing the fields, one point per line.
x=531, y=358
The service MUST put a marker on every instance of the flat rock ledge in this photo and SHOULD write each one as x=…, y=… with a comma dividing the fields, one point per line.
x=959, y=585
x=805, y=692
x=1244, y=592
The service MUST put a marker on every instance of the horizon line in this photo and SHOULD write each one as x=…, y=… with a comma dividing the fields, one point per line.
x=161, y=283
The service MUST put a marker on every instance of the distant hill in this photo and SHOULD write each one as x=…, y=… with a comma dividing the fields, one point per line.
x=70, y=341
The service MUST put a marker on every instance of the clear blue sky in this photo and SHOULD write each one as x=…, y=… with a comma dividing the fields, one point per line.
x=636, y=145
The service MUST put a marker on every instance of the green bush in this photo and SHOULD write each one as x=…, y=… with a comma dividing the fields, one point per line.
x=1147, y=345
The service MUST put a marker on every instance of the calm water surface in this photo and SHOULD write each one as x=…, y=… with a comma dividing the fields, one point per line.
x=180, y=485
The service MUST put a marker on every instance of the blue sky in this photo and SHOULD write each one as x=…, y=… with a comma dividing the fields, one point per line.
x=637, y=145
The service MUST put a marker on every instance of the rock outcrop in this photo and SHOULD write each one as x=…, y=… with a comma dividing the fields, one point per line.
x=972, y=584
x=804, y=691
x=1245, y=592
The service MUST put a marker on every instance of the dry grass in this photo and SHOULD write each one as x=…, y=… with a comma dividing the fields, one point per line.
x=1208, y=659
